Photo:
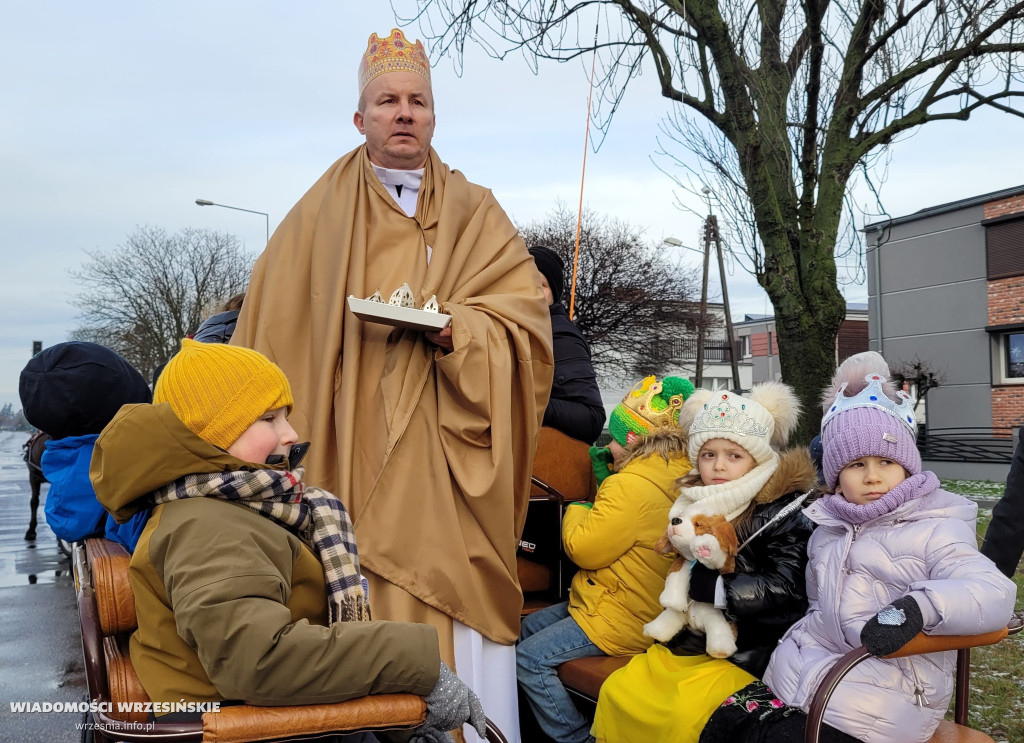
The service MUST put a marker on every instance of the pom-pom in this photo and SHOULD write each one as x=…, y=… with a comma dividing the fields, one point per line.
x=781, y=402
x=671, y=386
x=852, y=372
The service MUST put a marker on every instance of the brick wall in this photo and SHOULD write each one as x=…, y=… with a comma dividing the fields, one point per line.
x=759, y=344
x=853, y=338
x=1007, y=407
x=1003, y=207
x=1006, y=301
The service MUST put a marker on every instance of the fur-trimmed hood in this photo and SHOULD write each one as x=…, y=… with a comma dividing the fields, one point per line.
x=796, y=471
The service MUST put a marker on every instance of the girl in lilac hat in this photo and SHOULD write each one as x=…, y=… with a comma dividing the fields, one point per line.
x=892, y=555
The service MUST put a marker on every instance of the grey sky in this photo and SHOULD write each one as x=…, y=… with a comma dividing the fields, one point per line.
x=117, y=114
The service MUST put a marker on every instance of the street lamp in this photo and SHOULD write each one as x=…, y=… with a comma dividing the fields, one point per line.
x=204, y=202
x=675, y=242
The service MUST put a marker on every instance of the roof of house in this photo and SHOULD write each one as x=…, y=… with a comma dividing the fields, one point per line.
x=952, y=206
x=749, y=319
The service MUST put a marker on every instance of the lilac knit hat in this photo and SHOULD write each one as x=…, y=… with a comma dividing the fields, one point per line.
x=865, y=416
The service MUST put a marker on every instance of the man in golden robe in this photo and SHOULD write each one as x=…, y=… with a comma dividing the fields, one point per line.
x=428, y=438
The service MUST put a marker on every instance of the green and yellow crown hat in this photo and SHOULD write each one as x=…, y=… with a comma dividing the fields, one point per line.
x=650, y=404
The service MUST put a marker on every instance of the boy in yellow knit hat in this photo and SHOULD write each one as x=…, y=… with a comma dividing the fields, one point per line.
x=246, y=582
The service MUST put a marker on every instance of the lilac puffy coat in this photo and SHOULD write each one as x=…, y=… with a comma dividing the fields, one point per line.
x=926, y=548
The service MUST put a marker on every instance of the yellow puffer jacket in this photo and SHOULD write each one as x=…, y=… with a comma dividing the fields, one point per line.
x=616, y=591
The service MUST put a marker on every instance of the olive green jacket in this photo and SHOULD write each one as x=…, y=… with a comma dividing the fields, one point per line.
x=230, y=605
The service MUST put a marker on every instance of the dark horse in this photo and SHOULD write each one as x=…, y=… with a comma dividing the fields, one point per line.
x=33, y=457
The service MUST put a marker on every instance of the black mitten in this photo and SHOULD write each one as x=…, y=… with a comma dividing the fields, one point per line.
x=703, y=581
x=893, y=627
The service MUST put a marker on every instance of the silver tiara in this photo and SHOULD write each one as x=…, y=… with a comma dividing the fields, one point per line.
x=872, y=396
x=724, y=417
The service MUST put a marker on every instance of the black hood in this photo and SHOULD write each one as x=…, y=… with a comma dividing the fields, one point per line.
x=76, y=388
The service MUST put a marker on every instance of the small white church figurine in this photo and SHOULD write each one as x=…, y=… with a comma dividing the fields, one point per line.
x=375, y=297
x=403, y=297
x=431, y=304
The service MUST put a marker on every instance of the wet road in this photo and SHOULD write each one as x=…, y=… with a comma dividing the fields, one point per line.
x=40, y=643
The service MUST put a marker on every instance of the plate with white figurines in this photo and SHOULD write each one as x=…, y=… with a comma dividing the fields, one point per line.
x=399, y=317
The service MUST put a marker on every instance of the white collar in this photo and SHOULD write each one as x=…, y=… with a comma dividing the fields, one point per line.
x=410, y=179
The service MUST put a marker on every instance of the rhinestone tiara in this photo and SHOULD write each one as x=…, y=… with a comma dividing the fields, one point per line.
x=727, y=417
x=872, y=396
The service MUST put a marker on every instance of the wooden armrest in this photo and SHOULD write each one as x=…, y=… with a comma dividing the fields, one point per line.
x=923, y=643
x=235, y=724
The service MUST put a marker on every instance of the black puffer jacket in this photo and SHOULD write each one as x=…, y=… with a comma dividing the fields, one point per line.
x=575, y=407
x=218, y=328
x=766, y=594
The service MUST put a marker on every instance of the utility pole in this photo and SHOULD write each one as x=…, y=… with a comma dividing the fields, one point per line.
x=698, y=377
x=712, y=233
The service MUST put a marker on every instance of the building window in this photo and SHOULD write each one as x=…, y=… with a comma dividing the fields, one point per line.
x=1014, y=355
x=1004, y=247
x=1008, y=357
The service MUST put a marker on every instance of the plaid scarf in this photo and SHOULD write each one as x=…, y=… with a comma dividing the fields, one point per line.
x=312, y=514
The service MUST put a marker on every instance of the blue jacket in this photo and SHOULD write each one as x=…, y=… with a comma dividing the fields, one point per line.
x=72, y=510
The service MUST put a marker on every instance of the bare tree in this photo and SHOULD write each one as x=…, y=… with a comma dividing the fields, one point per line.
x=791, y=99
x=632, y=303
x=143, y=297
x=919, y=376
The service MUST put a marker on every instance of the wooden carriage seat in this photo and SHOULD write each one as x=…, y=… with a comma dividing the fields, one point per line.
x=584, y=676
x=561, y=474
x=562, y=465
x=107, y=614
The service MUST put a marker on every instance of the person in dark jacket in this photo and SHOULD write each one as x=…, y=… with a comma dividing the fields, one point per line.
x=220, y=327
x=669, y=692
x=1004, y=540
x=575, y=406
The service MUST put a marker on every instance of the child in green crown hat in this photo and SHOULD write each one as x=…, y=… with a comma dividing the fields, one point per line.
x=648, y=405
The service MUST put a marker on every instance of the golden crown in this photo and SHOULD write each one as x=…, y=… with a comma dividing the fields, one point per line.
x=393, y=53
x=640, y=400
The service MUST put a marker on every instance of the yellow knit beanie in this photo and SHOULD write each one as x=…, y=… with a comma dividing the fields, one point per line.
x=218, y=391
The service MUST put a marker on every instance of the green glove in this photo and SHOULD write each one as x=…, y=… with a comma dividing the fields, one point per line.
x=600, y=460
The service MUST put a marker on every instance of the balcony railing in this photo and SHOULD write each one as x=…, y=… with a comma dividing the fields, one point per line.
x=715, y=352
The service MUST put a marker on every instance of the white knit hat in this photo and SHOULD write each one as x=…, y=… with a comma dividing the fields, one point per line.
x=760, y=422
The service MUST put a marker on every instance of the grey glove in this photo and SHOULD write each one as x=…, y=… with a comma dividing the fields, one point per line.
x=449, y=705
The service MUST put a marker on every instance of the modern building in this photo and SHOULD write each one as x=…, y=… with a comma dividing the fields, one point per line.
x=759, y=345
x=946, y=287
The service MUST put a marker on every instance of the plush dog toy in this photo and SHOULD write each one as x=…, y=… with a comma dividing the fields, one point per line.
x=712, y=541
